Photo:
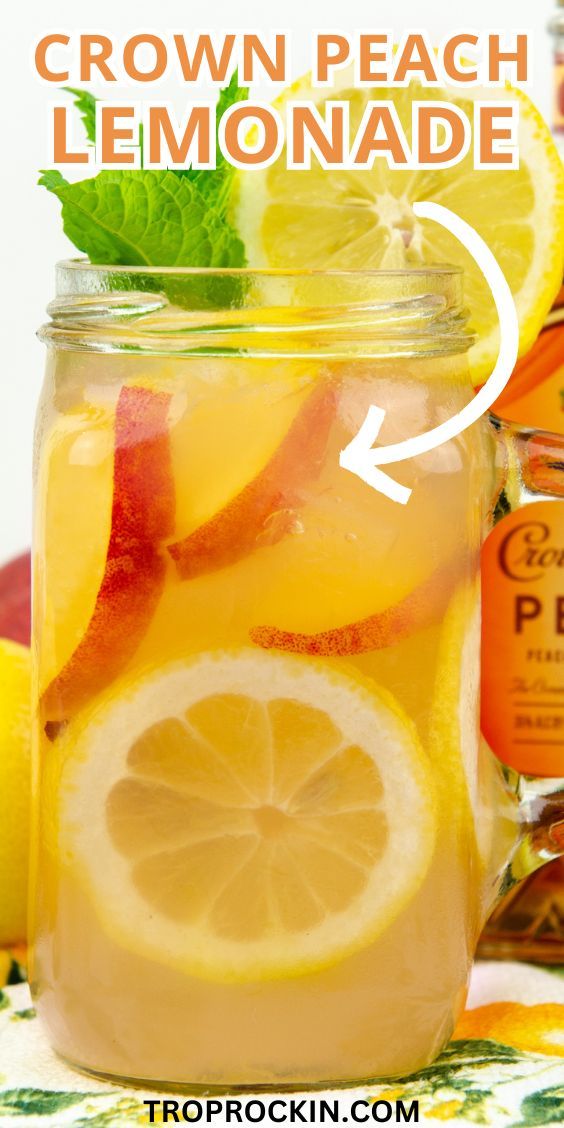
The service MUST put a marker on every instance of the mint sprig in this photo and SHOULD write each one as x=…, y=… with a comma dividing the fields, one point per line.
x=216, y=184
x=144, y=218
x=150, y=217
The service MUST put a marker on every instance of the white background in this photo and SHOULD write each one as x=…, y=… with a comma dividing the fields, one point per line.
x=31, y=235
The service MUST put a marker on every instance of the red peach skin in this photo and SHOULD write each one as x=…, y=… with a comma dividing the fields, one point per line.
x=232, y=532
x=421, y=608
x=15, y=599
x=143, y=511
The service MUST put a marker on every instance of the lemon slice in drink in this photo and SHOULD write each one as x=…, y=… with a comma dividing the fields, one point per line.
x=474, y=803
x=454, y=736
x=364, y=219
x=245, y=816
x=467, y=773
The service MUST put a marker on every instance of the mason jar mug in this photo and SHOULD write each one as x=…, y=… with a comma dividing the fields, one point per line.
x=267, y=832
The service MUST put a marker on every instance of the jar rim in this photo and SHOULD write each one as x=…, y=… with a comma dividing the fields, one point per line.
x=265, y=311
x=84, y=265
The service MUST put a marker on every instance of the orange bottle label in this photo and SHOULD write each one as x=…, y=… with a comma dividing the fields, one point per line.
x=523, y=639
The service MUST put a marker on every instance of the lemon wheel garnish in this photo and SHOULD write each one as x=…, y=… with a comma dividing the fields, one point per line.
x=244, y=816
x=363, y=219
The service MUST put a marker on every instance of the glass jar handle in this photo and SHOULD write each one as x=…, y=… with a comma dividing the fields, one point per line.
x=540, y=809
x=532, y=469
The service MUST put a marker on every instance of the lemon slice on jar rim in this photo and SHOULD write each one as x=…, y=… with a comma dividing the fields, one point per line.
x=242, y=816
x=360, y=219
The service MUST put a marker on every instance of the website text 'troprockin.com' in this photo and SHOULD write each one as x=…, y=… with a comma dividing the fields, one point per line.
x=282, y=1110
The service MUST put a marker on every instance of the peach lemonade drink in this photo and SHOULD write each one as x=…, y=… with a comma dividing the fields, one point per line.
x=257, y=735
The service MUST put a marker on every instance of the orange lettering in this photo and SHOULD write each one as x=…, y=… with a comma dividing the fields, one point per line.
x=41, y=66
x=369, y=56
x=238, y=119
x=61, y=153
x=518, y=56
x=197, y=128
x=451, y=66
x=415, y=59
x=429, y=119
x=91, y=59
x=491, y=133
x=204, y=50
x=111, y=134
x=379, y=119
x=305, y=121
x=332, y=51
x=275, y=69
x=130, y=65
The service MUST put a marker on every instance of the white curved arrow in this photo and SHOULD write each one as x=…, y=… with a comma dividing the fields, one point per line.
x=360, y=456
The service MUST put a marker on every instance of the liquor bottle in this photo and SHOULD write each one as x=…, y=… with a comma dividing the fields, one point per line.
x=556, y=29
x=523, y=638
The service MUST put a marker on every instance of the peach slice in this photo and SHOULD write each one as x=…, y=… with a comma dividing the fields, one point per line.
x=143, y=511
x=15, y=599
x=421, y=608
x=234, y=531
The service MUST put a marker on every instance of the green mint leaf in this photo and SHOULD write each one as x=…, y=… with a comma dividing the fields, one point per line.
x=144, y=218
x=149, y=218
x=86, y=105
x=215, y=184
x=52, y=179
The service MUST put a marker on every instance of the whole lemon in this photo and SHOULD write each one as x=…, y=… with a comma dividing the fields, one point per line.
x=15, y=780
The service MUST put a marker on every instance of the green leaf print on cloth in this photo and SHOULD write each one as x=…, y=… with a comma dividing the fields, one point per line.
x=509, y=1073
x=543, y=1108
x=38, y=1102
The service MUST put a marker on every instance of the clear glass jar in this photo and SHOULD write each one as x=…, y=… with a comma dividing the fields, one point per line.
x=268, y=835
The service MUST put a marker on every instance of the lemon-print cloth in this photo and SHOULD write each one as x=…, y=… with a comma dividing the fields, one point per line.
x=504, y=1067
